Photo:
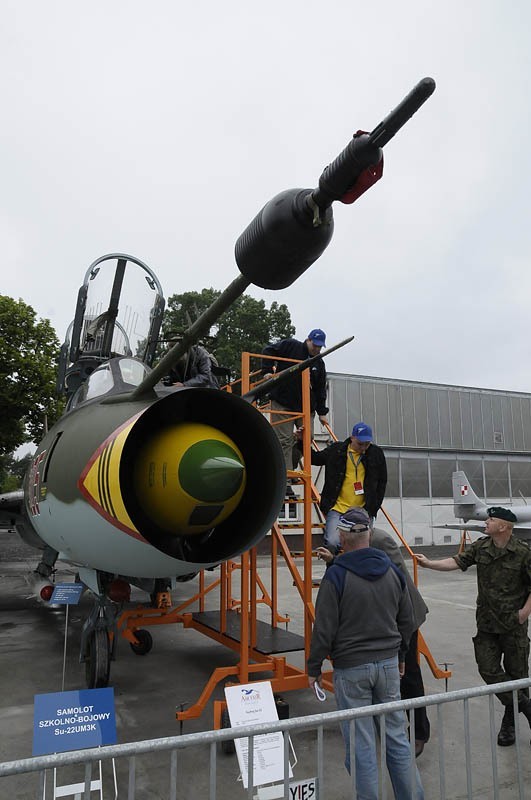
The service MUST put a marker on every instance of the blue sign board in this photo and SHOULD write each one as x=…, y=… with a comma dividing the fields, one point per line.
x=67, y=594
x=73, y=720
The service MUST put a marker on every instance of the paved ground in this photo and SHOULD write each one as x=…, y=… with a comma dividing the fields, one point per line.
x=148, y=689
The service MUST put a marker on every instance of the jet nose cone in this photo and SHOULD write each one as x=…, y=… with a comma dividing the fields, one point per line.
x=189, y=478
x=211, y=471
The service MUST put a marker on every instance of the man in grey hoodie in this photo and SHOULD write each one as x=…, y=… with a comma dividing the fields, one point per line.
x=363, y=622
x=411, y=683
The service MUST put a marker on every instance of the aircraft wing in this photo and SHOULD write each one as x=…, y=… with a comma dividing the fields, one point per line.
x=11, y=504
x=465, y=526
x=522, y=531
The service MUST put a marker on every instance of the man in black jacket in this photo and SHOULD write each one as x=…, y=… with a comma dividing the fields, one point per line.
x=288, y=396
x=194, y=368
x=355, y=475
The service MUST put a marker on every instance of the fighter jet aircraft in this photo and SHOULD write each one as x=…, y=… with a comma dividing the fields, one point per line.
x=138, y=481
x=468, y=506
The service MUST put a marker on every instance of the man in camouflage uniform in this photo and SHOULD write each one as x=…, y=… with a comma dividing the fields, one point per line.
x=503, y=606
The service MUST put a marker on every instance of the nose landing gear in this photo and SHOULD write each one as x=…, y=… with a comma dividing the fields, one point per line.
x=98, y=660
x=98, y=641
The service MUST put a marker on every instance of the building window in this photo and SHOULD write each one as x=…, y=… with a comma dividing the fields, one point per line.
x=441, y=476
x=497, y=479
x=447, y=540
x=414, y=477
x=520, y=479
x=393, y=487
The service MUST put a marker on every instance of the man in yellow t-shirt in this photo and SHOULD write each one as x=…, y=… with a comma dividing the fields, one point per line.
x=355, y=475
x=352, y=493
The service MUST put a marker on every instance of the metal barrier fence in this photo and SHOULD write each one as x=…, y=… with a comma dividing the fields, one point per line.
x=511, y=787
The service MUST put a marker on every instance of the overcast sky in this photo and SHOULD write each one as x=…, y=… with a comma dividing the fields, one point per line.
x=160, y=129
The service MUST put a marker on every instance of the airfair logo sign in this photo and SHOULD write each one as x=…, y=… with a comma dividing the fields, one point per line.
x=250, y=696
x=73, y=720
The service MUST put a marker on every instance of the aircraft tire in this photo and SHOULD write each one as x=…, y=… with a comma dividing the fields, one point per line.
x=145, y=643
x=98, y=663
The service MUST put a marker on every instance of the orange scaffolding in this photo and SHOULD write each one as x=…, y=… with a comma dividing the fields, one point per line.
x=235, y=624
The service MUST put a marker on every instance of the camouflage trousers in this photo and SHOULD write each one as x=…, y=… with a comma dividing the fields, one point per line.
x=503, y=657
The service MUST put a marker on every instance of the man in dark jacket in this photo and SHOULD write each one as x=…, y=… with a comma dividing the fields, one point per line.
x=194, y=368
x=355, y=475
x=363, y=622
x=288, y=395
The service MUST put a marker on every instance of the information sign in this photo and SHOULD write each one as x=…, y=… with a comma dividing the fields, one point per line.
x=248, y=704
x=73, y=720
x=66, y=594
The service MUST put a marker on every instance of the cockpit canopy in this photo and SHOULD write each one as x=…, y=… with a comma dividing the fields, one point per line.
x=113, y=377
x=119, y=313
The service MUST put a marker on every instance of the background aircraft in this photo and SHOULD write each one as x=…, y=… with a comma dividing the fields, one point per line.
x=468, y=506
x=137, y=481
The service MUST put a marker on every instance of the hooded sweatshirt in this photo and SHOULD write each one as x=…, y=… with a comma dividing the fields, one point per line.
x=363, y=612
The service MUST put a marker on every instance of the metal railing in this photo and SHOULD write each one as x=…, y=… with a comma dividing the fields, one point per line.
x=521, y=769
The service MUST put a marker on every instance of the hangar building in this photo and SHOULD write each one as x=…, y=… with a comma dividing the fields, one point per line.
x=427, y=431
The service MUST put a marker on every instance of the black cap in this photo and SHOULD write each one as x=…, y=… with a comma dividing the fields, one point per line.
x=501, y=513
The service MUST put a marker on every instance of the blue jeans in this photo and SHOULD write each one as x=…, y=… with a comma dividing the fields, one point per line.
x=331, y=534
x=368, y=684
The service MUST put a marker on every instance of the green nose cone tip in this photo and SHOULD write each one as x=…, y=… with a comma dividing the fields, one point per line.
x=211, y=471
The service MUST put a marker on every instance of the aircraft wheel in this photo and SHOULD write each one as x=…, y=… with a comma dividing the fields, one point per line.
x=145, y=643
x=228, y=747
x=98, y=663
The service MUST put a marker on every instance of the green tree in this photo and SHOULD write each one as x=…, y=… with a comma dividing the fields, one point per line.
x=28, y=361
x=247, y=326
x=12, y=471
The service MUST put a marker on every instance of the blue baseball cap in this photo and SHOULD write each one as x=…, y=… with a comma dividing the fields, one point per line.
x=362, y=432
x=317, y=337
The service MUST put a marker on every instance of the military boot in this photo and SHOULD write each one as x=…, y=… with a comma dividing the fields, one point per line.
x=506, y=735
